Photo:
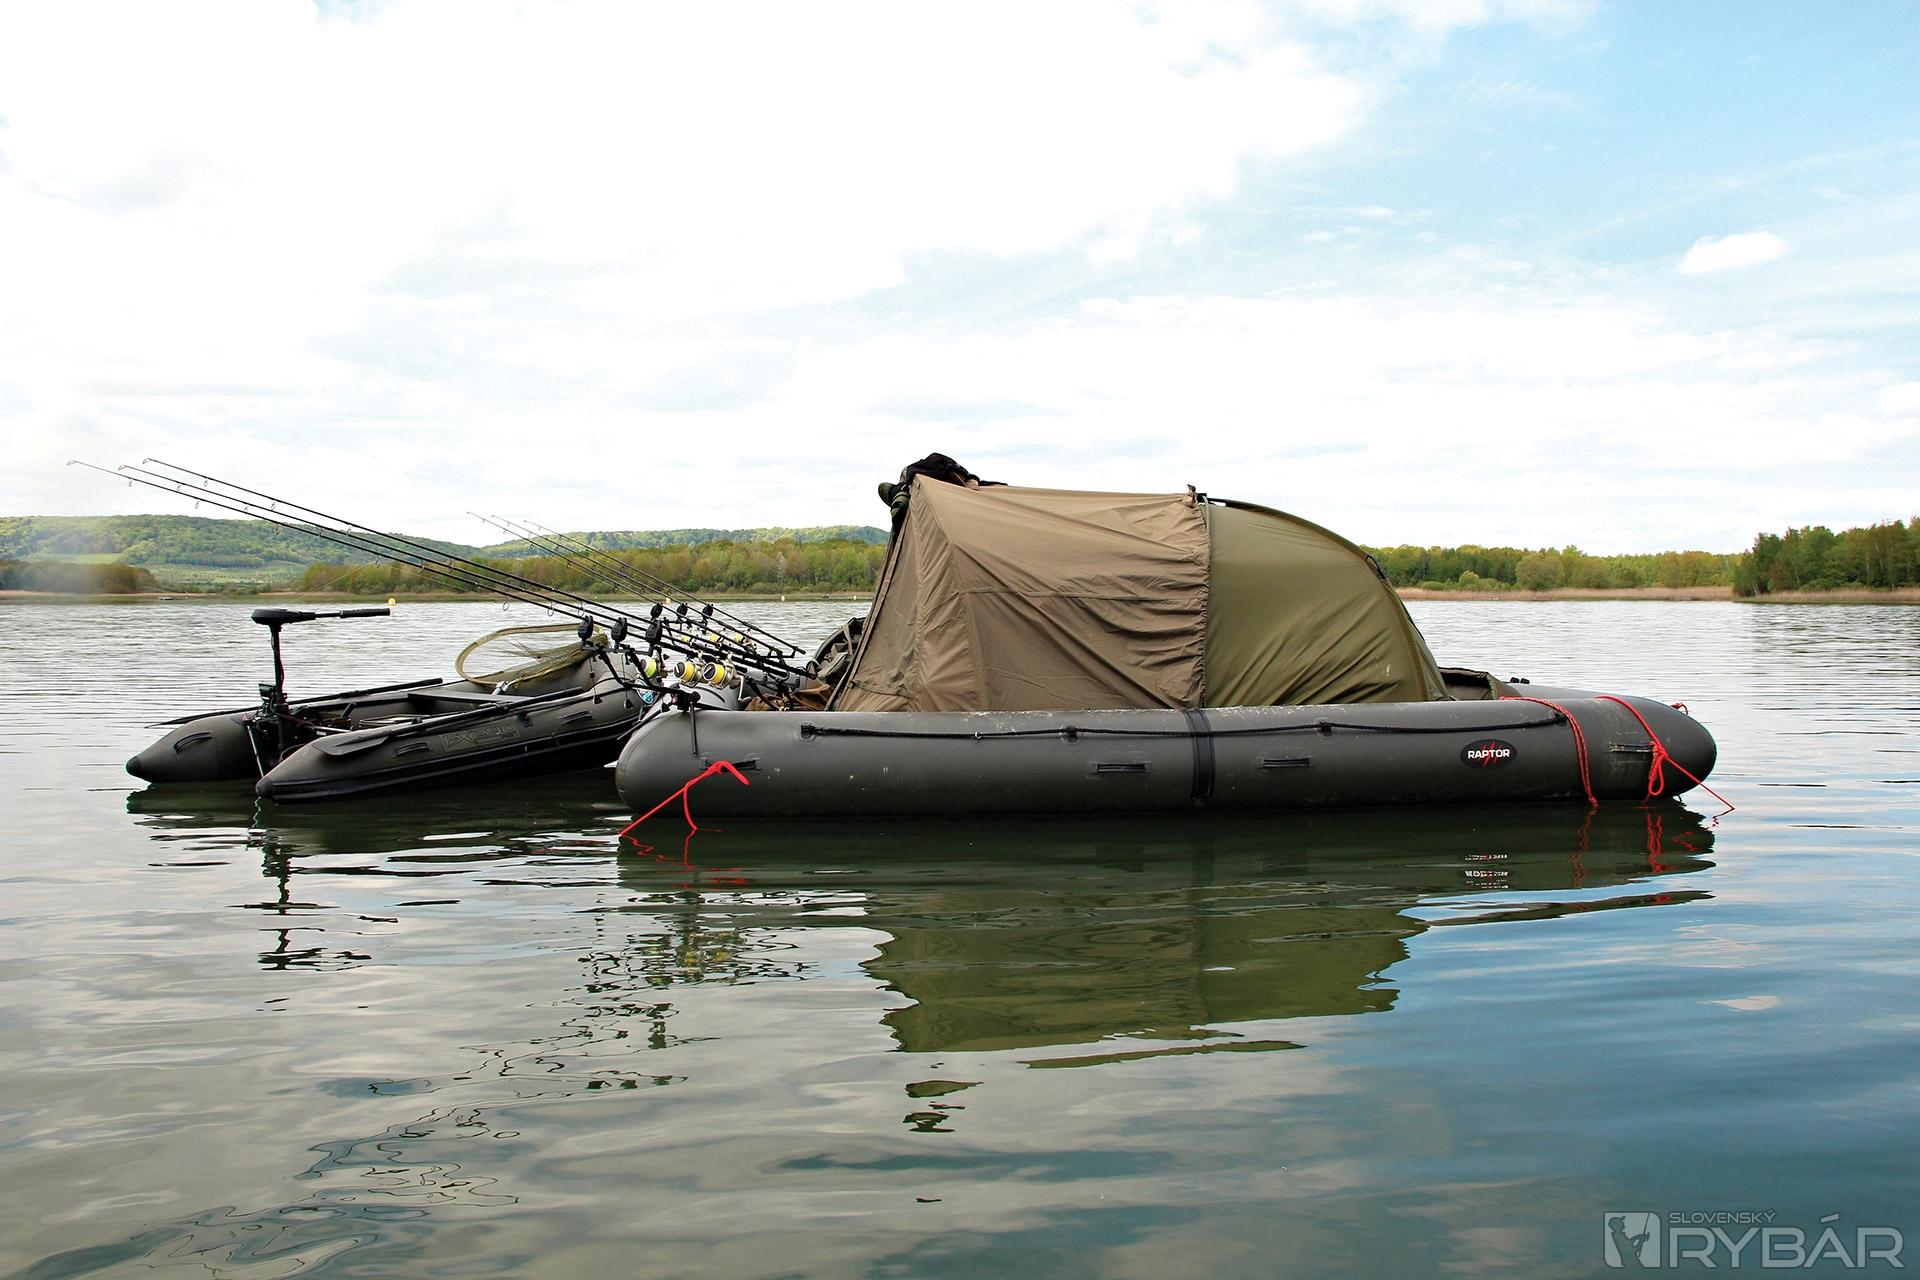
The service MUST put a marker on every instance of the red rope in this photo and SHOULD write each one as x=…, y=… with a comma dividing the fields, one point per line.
x=1580, y=755
x=1657, y=770
x=686, y=804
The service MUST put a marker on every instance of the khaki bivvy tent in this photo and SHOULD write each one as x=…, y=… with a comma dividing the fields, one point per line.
x=1011, y=599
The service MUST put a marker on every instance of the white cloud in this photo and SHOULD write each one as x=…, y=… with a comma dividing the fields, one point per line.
x=1730, y=253
x=1902, y=400
x=703, y=160
x=348, y=215
x=1468, y=411
x=607, y=265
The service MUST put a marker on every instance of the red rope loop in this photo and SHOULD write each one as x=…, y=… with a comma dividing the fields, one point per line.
x=686, y=804
x=1657, y=770
x=1580, y=756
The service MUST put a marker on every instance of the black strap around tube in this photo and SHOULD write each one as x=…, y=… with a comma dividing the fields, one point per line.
x=1202, y=737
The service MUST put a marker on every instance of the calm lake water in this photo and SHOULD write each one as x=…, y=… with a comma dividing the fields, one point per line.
x=466, y=1033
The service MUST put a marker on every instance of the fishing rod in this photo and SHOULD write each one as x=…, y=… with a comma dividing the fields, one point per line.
x=658, y=630
x=431, y=553
x=481, y=577
x=695, y=637
x=592, y=561
x=456, y=569
x=642, y=576
x=439, y=560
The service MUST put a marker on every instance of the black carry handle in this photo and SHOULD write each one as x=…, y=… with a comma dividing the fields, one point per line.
x=281, y=617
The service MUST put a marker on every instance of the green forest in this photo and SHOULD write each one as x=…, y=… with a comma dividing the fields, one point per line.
x=756, y=568
x=1811, y=559
x=1818, y=559
x=119, y=554
x=200, y=553
x=205, y=547
x=648, y=539
x=1472, y=568
x=68, y=577
x=182, y=552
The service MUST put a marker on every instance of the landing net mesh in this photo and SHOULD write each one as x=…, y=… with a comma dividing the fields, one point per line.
x=512, y=655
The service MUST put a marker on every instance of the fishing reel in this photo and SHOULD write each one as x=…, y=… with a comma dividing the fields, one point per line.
x=714, y=674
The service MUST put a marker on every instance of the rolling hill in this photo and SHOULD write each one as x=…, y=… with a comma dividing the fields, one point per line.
x=199, y=550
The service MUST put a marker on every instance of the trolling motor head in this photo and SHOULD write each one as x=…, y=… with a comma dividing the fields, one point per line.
x=273, y=697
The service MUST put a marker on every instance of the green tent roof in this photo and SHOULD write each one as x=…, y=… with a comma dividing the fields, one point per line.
x=1010, y=598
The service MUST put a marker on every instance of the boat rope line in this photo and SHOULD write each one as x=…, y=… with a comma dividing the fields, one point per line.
x=717, y=767
x=1072, y=732
x=1076, y=732
x=1580, y=756
x=1656, y=769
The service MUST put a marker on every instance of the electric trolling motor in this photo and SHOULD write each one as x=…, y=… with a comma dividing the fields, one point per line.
x=271, y=727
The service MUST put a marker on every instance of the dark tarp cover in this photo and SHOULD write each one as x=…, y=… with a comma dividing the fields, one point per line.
x=1036, y=599
x=1017, y=599
x=1299, y=618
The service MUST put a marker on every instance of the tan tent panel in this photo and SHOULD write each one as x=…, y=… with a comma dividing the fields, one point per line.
x=1013, y=599
x=1299, y=617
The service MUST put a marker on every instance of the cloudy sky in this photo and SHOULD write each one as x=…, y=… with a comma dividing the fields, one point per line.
x=1510, y=271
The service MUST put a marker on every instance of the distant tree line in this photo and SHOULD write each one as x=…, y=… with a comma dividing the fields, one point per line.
x=169, y=540
x=181, y=544
x=848, y=558
x=1818, y=559
x=751, y=567
x=638, y=539
x=787, y=565
x=68, y=578
x=1494, y=568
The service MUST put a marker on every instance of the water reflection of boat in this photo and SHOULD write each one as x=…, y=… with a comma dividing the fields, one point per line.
x=1017, y=933
x=1010, y=934
x=382, y=824
x=1052, y=943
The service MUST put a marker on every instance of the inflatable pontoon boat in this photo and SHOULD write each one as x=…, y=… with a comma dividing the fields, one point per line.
x=1035, y=650
x=557, y=707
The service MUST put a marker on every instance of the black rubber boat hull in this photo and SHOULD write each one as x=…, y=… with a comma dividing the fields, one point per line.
x=577, y=733
x=213, y=748
x=802, y=764
x=424, y=734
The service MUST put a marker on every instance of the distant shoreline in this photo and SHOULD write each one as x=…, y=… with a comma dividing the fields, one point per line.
x=1842, y=595
x=412, y=597
x=1896, y=595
